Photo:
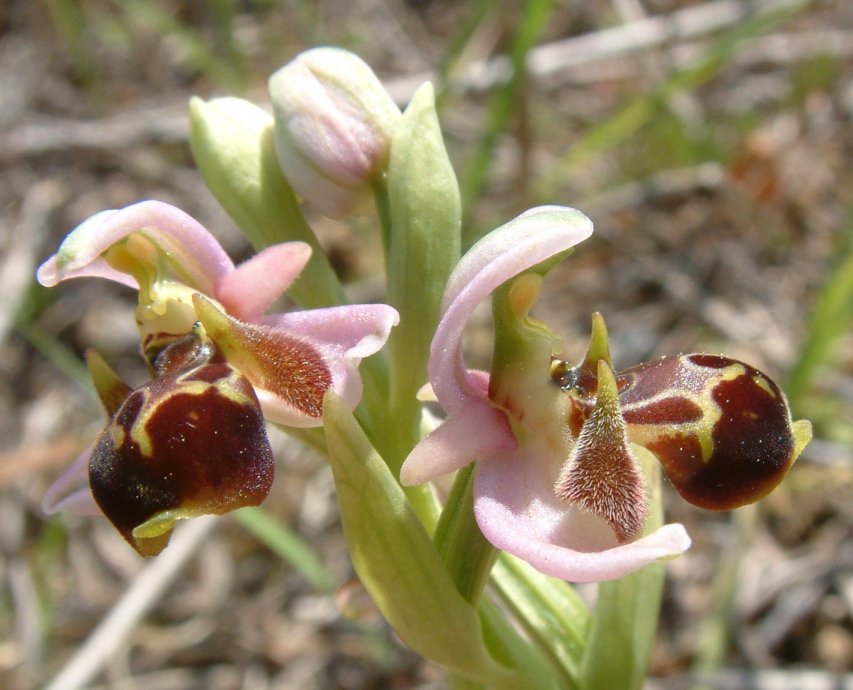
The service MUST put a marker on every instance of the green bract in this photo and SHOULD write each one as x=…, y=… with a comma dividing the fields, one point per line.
x=397, y=561
x=423, y=242
x=232, y=142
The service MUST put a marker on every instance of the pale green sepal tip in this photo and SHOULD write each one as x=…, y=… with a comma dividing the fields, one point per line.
x=112, y=391
x=599, y=344
x=397, y=562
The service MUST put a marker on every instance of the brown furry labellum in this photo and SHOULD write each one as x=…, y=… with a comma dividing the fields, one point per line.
x=192, y=441
x=601, y=474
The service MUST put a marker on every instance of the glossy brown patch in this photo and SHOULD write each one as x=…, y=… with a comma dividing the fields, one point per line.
x=720, y=428
x=751, y=440
x=649, y=380
x=709, y=361
x=753, y=444
x=672, y=410
x=680, y=455
x=209, y=452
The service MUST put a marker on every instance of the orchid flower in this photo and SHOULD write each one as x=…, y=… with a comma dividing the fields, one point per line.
x=557, y=481
x=192, y=440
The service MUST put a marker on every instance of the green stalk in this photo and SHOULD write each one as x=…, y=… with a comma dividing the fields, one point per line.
x=467, y=555
x=286, y=544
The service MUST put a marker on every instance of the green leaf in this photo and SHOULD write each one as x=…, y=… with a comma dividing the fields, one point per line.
x=508, y=644
x=467, y=555
x=551, y=613
x=626, y=611
x=398, y=563
x=831, y=318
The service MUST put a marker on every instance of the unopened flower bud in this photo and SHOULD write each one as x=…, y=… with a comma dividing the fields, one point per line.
x=333, y=126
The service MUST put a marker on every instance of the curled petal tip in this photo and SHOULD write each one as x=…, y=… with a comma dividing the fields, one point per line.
x=48, y=273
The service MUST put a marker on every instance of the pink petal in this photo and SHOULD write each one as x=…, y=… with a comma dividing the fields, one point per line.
x=71, y=490
x=513, y=248
x=196, y=255
x=247, y=291
x=518, y=512
x=476, y=430
x=344, y=336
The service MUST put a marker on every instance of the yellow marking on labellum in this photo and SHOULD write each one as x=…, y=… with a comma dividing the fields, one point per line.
x=721, y=429
x=164, y=458
x=762, y=383
x=223, y=386
x=163, y=522
x=117, y=435
x=702, y=428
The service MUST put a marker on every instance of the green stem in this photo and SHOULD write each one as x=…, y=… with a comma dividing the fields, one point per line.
x=457, y=682
x=467, y=555
x=554, y=618
x=383, y=210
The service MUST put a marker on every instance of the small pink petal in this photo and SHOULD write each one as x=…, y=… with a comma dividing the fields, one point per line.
x=196, y=255
x=247, y=291
x=517, y=511
x=71, y=490
x=343, y=336
x=501, y=255
x=475, y=431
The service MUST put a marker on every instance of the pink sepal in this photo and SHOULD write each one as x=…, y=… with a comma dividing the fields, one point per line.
x=71, y=490
x=518, y=512
x=476, y=430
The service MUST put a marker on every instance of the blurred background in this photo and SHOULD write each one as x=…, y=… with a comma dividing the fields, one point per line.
x=711, y=143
